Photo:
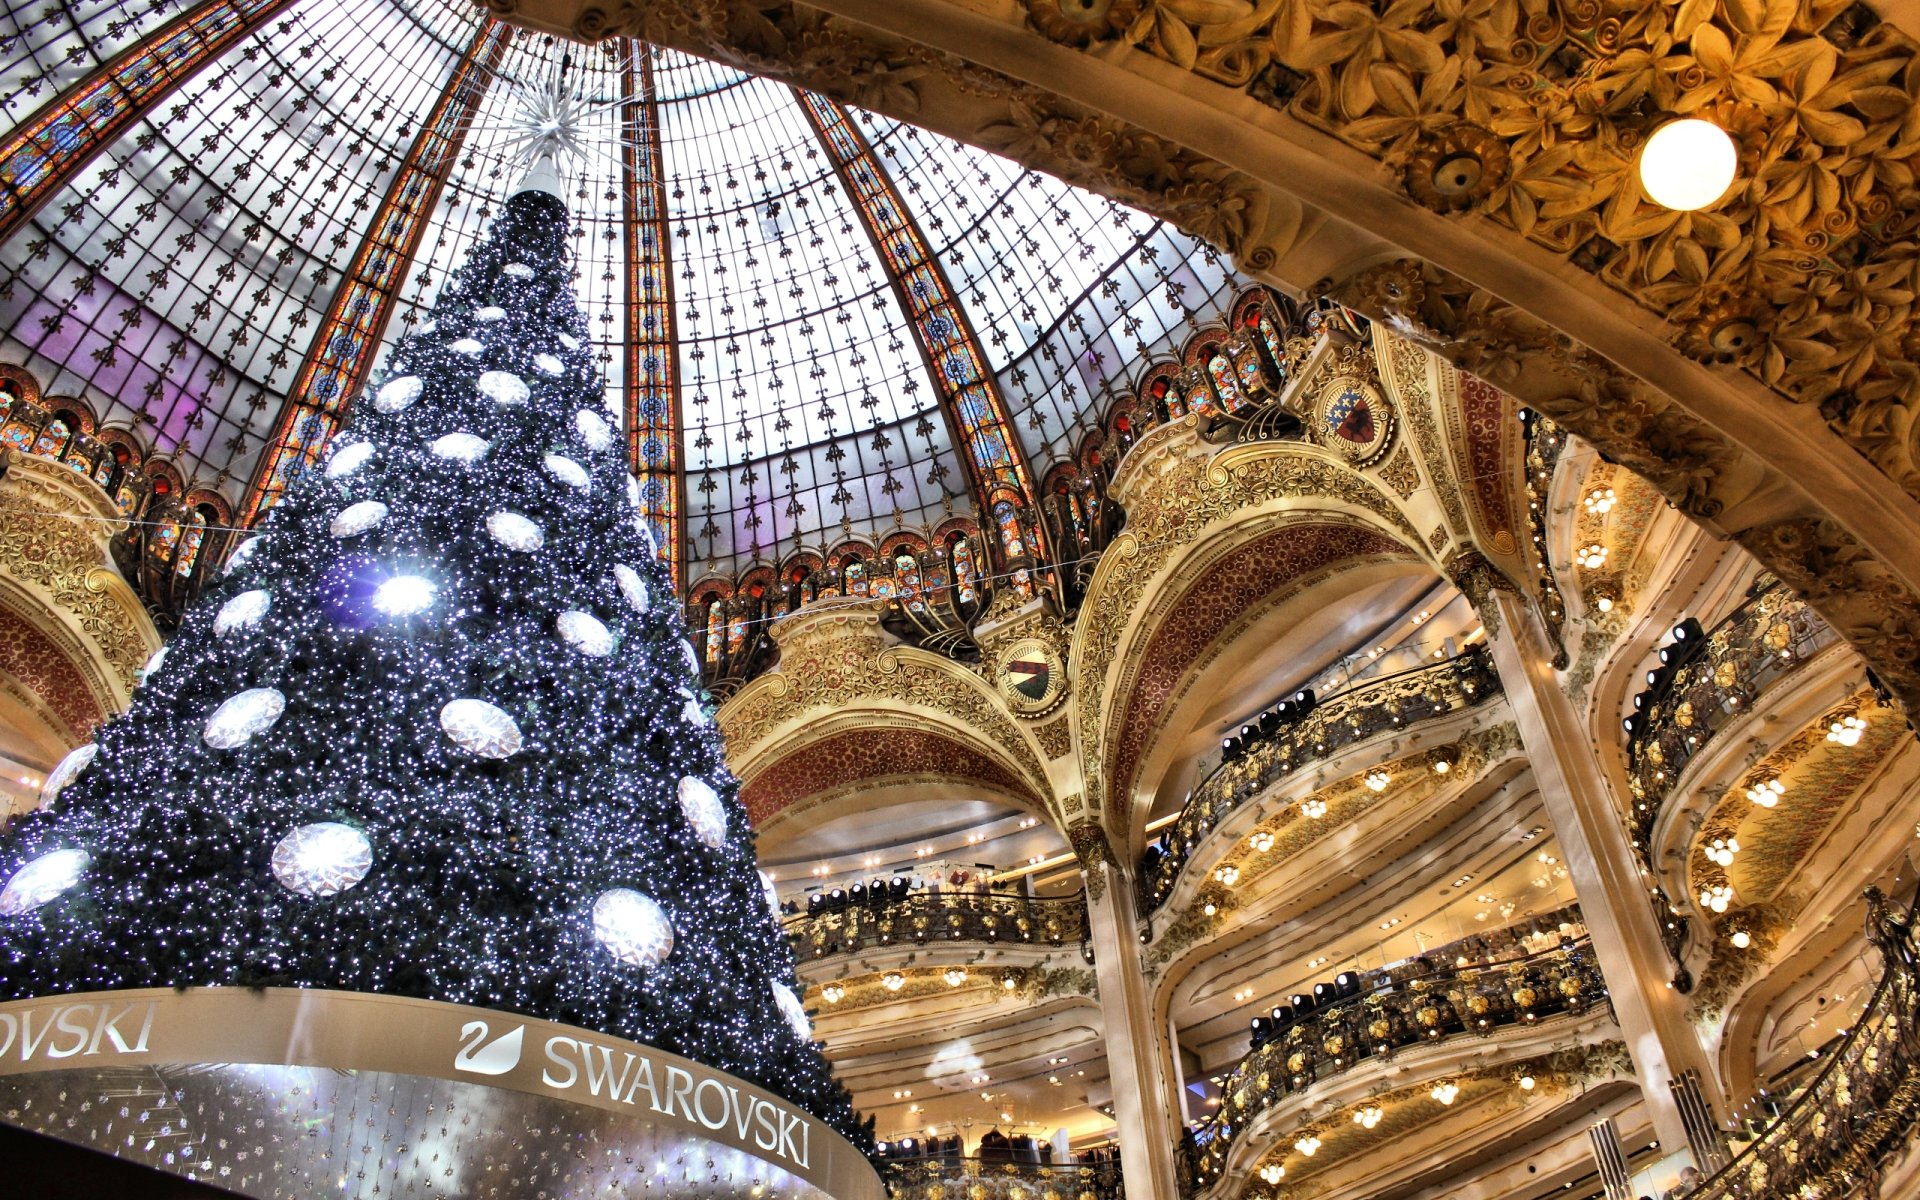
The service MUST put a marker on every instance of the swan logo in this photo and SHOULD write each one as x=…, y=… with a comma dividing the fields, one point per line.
x=477, y=1056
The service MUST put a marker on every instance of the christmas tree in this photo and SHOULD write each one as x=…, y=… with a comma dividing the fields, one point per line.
x=437, y=732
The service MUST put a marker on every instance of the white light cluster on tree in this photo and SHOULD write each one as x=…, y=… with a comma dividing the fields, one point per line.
x=42, y=879
x=568, y=472
x=593, y=430
x=242, y=717
x=242, y=612
x=481, y=728
x=632, y=927
x=242, y=554
x=68, y=768
x=404, y=596
x=515, y=531
x=398, y=394
x=348, y=459
x=460, y=447
x=426, y=735
x=701, y=805
x=503, y=388
x=324, y=858
x=357, y=518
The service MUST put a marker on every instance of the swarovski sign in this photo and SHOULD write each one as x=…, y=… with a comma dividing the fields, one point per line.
x=359, y=1032
x=49, y=1033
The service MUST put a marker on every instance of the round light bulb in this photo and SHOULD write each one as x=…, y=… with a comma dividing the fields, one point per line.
x=1687, y=165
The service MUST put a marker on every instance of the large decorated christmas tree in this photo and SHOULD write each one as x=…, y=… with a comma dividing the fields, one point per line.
x=437, y=733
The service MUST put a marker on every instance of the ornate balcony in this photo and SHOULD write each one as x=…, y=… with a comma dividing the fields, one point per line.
x=1389, y=704
x=1390, y=1012
x=1846, y=1127
x=926, y=917
x=985, y=1179
x=1758, y=644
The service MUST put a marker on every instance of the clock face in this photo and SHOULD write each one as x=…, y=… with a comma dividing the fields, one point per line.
x=1354, y=420
x=1031, y=676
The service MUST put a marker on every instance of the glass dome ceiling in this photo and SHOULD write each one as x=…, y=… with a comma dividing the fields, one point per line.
x=846, y=311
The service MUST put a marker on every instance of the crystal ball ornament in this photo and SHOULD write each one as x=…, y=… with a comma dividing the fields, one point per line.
x=515, y=531
x=322, y=859
x=568, y=472
x=585, y=633
x=517, y=271
x=794, y=1011
x=66, y=771
x=396, y=395
x=593, y=430
x=689, y=657
x=489, y=314
x=632, y=587
x=701, y=806
x=569, y=341
x=772, y=894
x=632, y=927
x=356, y=519
x=348, y=459
x=548, y=364
x=241, y=556
x=480, y=728
x=467, y=346
x=242, y=612
x=153, y=664
x=503, y=388
x=242, y=716
x=461, y=447
x=41, y=879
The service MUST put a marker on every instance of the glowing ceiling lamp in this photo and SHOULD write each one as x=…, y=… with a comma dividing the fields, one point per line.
x=1688, y=165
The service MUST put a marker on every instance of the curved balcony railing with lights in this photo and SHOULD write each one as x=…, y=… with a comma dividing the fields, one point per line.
x=1429, y=1009
x=988, y=1179
x=1758, y=644
x=928, y=917
x=1848, y=1125
x=1390, y=704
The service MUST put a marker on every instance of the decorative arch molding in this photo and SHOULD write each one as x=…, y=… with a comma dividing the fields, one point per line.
x=1237, y=132
x=1211, y=601
x=57, y=577
x=832, y=761
x=840, y=661
x=1188, y=511
x=44, y=676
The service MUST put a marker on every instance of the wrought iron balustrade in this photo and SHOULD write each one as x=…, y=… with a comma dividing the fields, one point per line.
x=1377, y=1022
x=988, y=1179
x=1758, y=644
x=1394, y=702
x=923, y=917
x=1841, y=1132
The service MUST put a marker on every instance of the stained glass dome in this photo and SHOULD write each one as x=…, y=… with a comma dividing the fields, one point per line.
x=816, y=322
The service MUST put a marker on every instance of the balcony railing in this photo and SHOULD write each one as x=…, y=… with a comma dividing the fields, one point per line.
x=925, y=917
x=1843, y=1129
x=1420, y=1010
x=986, y=1179
x=1391, y=703
x=1758, y=644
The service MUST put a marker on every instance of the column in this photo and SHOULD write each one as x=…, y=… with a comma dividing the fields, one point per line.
x=1601, y=863
x=1137, y=1055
